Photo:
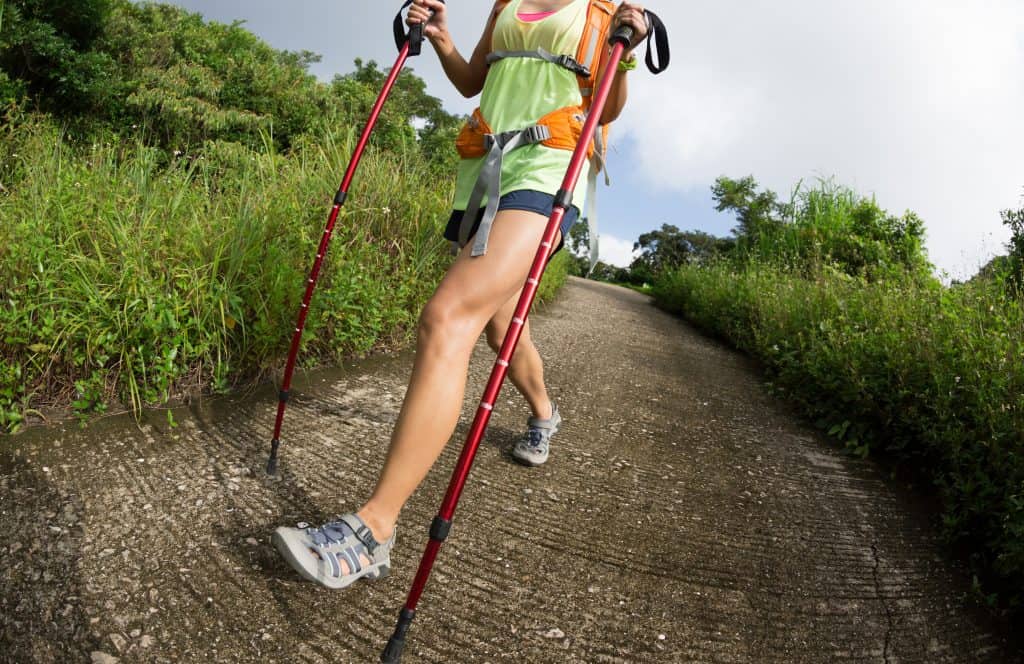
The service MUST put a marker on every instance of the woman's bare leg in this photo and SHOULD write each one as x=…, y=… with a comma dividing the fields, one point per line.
x=526, y=370
x=467, y=298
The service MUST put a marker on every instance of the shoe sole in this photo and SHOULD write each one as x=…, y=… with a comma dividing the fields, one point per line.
x=371, y=573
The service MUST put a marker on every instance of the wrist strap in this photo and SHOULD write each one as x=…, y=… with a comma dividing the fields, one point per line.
x=414, y=37
x=657, y=39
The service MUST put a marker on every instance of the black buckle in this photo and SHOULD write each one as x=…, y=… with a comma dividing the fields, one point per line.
x=570, y=63
x=365, y=536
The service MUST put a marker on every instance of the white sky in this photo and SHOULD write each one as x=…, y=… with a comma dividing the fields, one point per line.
x=918, y=102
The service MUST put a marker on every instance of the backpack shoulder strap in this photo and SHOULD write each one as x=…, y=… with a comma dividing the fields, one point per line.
x=591, y=52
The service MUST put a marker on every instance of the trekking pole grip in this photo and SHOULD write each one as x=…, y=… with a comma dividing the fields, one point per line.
x=623, y=35
x=416, y=39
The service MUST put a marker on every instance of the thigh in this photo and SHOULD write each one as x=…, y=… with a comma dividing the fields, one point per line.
x=479, y=287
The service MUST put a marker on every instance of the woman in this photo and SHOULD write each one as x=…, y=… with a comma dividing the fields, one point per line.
x=481, y=288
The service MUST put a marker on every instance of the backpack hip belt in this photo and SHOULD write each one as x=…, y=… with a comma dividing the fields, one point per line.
x=561, y=129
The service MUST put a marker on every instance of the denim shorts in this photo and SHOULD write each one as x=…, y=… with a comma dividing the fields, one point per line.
x=522, y=199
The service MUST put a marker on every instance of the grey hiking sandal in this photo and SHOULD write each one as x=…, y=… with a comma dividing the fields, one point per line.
x=533, y=448
x=337, y=554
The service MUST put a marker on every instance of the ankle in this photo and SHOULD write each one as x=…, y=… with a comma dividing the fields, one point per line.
x=545, y=413
x=380, y=525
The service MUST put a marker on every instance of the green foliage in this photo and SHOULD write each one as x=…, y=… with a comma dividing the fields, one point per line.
x=157, y=221
x=1014, y=220
x=828, y=225
x=133, y=274
x=47, y=45
x=668, y=248
x=127, y=66
x=409, y=104
x=757, y=213
x=555, y=276
x=886, y=360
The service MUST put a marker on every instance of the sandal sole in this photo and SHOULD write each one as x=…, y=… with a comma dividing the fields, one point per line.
x=371, y=573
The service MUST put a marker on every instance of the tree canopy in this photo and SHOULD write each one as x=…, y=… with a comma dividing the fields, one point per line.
x=165, y=73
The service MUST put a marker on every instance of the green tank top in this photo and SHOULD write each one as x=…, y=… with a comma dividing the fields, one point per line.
x=520, y=91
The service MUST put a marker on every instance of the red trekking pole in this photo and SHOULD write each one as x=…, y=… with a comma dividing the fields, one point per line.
x=442, y=523
x=409, y=45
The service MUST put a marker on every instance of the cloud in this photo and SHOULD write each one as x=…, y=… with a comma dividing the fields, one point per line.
x=917, y=102
x=615, y=251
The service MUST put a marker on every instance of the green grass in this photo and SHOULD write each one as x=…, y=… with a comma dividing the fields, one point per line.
x=129, y=274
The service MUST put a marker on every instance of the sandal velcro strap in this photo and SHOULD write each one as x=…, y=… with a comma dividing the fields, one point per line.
x=362, y=532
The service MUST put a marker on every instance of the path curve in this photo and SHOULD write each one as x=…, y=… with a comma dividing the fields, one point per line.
x=685, y=516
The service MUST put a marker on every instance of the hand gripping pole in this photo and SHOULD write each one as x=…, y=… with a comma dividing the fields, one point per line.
x=442, y=522
x=405, y=51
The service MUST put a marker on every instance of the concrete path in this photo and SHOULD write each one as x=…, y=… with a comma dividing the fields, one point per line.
x=685, y=516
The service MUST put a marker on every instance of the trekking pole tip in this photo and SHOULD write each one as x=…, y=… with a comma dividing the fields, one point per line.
x=272, y=462
x=393, y=653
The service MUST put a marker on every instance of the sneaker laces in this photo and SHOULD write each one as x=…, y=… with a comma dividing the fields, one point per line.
x=536, y=437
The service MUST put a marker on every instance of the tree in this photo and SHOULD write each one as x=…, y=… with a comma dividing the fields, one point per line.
x=1014, y=220
x=47, y=45
x=756, y=212
x=668, y=248
x=409, y=107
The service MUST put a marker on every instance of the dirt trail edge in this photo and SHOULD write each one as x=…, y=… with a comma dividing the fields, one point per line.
x=685, y=516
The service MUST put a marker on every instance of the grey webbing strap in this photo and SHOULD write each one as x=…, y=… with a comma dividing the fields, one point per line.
x=566, y=61
x=489, y=182
x=591, y=214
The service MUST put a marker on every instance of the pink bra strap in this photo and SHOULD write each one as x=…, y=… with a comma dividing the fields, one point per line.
x=530, y=17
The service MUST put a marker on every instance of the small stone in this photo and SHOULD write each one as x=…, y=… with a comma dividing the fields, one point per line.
x=252, y=541
x=146, y=641
x=554, y=633
x=119, y=642
x=99, y=657
x=662, y=637
x=527, y=492
x=136, y=633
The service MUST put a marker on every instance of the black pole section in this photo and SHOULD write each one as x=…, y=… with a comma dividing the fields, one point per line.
x=393, y=653
x=624, y=35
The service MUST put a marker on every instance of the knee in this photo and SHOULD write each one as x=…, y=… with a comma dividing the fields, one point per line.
x=442, y=326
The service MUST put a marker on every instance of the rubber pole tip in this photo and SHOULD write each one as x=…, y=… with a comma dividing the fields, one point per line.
x=393, y=653
x=272, y=462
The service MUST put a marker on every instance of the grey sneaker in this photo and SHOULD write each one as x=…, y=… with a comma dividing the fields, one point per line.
x=318, y=554
x=533, y=448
